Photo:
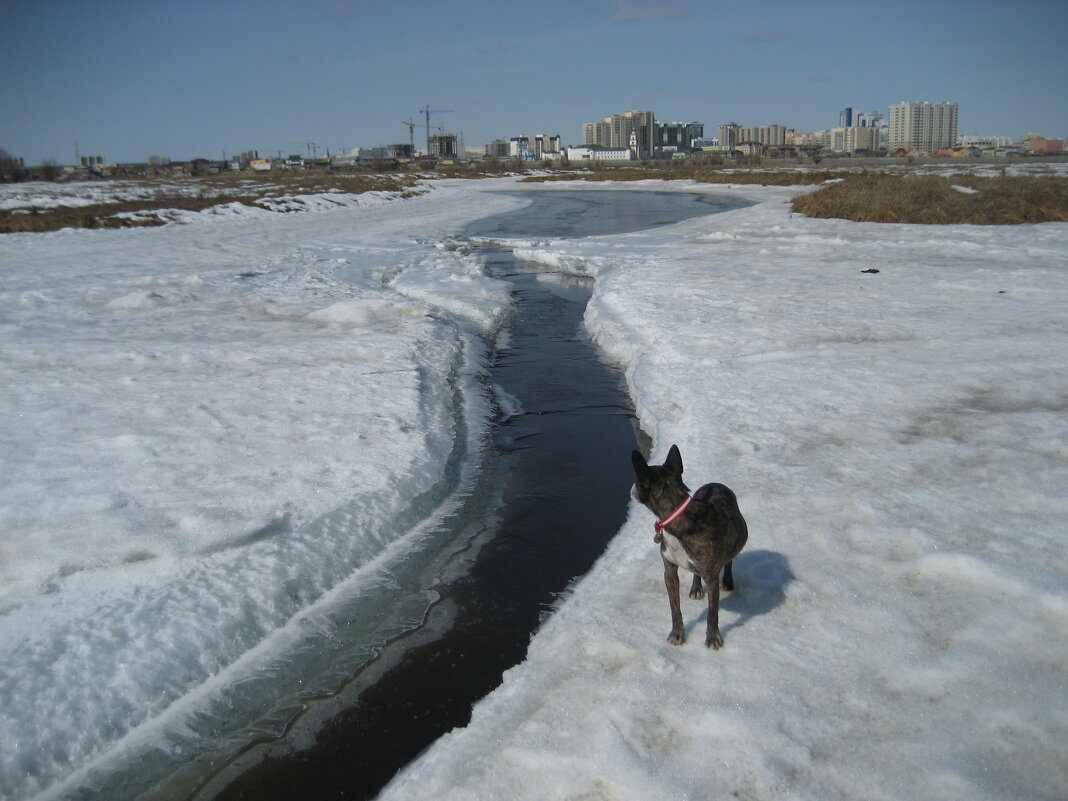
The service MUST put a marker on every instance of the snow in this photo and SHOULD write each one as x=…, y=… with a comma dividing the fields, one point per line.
x=898, y=444
x=254, y=420
x=239, y=421
x=47, y=194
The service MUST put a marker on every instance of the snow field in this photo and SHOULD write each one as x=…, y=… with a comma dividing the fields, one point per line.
x=40, y=195
x=225, y=445
x=222, y=445
x=45, y=194
x=897, y=442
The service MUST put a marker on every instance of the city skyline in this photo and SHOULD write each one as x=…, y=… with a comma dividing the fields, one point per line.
x=126, y=79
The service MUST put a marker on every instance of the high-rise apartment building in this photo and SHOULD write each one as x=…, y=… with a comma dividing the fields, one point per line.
x=729, y=135
x=868, y=119
x=678, y=134
x=767, y=135
x=615, y=131
x=924, y=126
x=733, y=134
x=853, y=139
x=545, y=143
x=594, y=133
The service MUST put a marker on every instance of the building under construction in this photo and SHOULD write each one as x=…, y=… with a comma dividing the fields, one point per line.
x=443, y=146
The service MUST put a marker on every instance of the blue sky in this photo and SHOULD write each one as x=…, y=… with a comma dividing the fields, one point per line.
x=196, y=79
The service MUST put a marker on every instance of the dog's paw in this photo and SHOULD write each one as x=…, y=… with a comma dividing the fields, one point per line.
x=676, y=638
x=697, y=590
x=714, y=640
x=697, y=595
x=726, y=585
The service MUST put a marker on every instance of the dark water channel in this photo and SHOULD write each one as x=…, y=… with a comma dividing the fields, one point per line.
x=558, y=473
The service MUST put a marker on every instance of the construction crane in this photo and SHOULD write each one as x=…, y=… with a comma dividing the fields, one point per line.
x=411, y=133
x=427, y=112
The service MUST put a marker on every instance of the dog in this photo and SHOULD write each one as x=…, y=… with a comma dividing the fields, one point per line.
x=701, y=533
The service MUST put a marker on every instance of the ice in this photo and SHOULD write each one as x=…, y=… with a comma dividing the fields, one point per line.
x=457, y=285
x=897, y=442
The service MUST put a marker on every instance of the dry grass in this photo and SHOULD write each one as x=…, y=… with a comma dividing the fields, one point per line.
x=863, y=196
x=210, y=191
x=707, y=174
x=483, y=169
x=929, y=199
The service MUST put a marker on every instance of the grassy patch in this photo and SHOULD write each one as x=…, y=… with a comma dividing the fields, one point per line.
x=706, y=174
x=930, y=199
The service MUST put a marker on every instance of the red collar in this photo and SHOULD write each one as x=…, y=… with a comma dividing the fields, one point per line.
x=659, y=525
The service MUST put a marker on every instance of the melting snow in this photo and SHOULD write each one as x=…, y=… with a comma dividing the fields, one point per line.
x=217, y=438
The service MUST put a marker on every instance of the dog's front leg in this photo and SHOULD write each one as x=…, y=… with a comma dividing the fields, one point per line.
x=671, y=581
x=713, y=639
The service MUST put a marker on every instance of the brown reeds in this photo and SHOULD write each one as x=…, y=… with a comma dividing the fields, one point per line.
x=708, y=174
x=933, y=200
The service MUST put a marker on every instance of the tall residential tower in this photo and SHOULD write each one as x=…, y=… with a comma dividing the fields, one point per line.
x=923, y=126
x=615, y=131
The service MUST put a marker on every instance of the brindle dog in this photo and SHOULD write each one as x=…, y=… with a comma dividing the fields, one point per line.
x=702, y=534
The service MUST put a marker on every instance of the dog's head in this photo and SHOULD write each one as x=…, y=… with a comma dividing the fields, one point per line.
x=652, y=483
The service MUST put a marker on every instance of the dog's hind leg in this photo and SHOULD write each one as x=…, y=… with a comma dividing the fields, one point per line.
x=671, y=581
x=697, y=592
x=713, y=639
x=728, y=576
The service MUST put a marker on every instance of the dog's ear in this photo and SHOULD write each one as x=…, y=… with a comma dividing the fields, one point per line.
x=641, y=467
x=674, y=460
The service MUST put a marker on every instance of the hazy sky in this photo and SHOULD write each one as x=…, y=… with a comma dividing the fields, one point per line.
x=191, y=79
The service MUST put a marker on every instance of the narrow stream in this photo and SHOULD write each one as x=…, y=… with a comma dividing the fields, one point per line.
x=552, y=493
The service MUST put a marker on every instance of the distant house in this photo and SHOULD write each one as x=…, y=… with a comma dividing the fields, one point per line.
x=244, y=158
x=521, y=150
x=346, y=160
x=294, y=161
x=260, y=165
x=206, y=167
x=1040, y=145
